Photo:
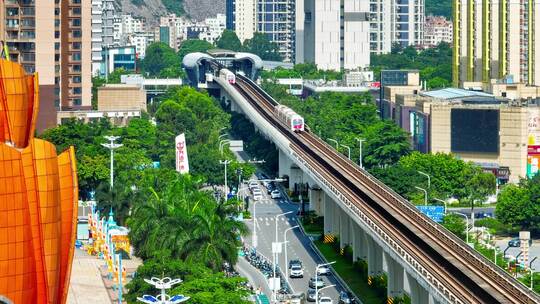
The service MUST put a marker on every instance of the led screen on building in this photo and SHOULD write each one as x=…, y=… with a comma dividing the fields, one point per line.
x=475, y=131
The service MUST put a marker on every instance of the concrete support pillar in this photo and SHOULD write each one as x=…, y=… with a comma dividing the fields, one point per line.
x=432, y=300
x=375, y=257
x=395, y=273
x=359, y=243
x=316, y=201
x=284, y=165
x=336, y=222
x=344, y=229
x=417, y=293
x=328, y=214
x=296, y=175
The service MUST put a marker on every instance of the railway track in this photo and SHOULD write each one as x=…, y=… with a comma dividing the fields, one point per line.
x=463, y=274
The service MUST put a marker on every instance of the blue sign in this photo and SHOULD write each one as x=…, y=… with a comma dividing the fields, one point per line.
x=435, y=213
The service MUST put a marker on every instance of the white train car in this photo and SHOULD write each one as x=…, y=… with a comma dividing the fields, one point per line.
x=294, y=121
x=228, y=76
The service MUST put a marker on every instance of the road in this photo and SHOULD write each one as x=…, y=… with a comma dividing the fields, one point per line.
x=534, y=251
x=298, y=244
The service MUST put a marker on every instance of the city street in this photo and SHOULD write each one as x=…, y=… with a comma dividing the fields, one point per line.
x=298, y=247
x=534, y=251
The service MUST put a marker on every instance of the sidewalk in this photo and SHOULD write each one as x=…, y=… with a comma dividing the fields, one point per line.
x=86, y=284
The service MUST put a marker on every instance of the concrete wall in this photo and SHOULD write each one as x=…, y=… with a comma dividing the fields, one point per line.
x=121, y=97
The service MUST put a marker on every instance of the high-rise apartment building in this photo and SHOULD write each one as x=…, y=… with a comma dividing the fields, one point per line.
x=103, y=13
x=275, y=18
x=75, y=54
x=333, y=34
x=395, y=21
x=52, y=38
x=495, y=40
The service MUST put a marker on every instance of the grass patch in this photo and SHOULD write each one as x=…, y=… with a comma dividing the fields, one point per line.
x=353, y=276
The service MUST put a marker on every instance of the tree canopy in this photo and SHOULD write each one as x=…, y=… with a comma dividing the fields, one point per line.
x=434, y=64
x=262, y=47
x=192, y=46
x=229, y=41
x=519, y=205
x=161, y=59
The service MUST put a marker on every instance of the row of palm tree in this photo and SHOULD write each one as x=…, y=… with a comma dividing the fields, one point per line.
x=187, y=222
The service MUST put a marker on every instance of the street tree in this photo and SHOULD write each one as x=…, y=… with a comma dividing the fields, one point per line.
x=455, y=224
x=192, y=46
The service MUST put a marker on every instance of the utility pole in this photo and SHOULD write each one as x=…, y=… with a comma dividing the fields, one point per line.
x=111, y=146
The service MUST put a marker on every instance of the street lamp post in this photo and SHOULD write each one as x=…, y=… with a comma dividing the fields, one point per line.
x=444, y=202
x=516, y=262
x=112, y=146
x=286, y=258
x=316, y=278
x=467, y=225
x=222, y=144
x=333, y=140
x=349, y=149
x=225, y=163
x=317, y=293
x=360, y=140
x=163, y=298
x=531, y=270
x=428, y=178
x=274, y=255
x=425, y=194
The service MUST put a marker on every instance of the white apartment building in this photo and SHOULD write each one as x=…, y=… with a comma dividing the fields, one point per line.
x=102, y=30
x=436, y=30
x=395, y=21
x=496, y=42
x=141, y=41
x=335, y=35
x=177, y=28
x=125, y=26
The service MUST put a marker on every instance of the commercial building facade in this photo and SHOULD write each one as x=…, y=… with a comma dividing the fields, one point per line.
x=496, y=40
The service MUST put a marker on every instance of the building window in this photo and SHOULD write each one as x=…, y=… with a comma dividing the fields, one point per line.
x=76, y=56
x=76, y=45
x=77, y=102
x=77, y=90
x=76, y=11
x=76, y=79
x=76, y=34
x=76, y=68
x=76, y=22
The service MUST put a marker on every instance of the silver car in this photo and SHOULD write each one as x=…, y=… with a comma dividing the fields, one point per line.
x=319, y=282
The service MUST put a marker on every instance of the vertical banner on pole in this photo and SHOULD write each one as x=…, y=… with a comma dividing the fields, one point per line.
x=182, y=163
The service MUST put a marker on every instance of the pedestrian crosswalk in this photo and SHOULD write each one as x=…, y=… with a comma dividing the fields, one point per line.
x=270, y=202
x=272, y=219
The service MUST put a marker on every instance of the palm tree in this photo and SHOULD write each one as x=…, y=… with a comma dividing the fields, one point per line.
x=216, y=236
x=119, y=198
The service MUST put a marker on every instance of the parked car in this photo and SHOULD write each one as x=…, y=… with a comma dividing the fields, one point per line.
x=297, y=298
x=323, y=270
x=253, y=184
x=276, y=194
x=296, y=272
x=295, y=262
x=319, y=282
x=326, y=300
x=257, y=196
x=515, y=242
x=270, y=187
x=344, y=298
x=311, y=295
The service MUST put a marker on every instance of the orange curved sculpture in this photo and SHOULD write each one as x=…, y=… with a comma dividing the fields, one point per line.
x=38, y=197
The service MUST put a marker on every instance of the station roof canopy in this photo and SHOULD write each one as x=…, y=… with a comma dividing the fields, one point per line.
x=193, y=59
x=221, y=53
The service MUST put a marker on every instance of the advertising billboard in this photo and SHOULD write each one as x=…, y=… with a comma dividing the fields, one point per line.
x=533, y=141
x=474, y=130
x=182, y=163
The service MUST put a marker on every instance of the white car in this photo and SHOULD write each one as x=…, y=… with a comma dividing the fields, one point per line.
x=257, y=196
x=253, y=184
x=296, y=271
x=323, y=270
x=275, y=194
x=326, y=300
